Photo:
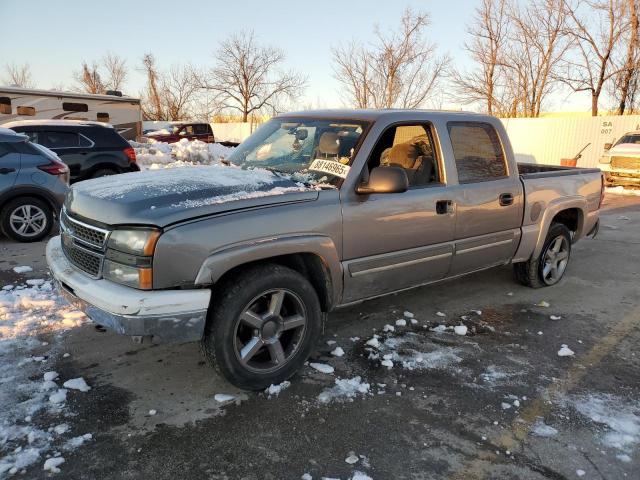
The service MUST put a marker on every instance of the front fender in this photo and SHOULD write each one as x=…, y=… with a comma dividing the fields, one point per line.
x=223, y=260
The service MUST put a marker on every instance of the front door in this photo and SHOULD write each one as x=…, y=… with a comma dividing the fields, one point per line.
x=398, y=240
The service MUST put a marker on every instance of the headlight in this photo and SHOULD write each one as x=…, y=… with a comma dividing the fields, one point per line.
x=138, y=242
x=129, y=257
x=135, y=277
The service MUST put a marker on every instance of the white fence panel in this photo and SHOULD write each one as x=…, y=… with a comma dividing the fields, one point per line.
x=232, y=132
x=547, y=140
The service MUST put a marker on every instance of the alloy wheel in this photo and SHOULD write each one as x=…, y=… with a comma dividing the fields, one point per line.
x=28, y=220
x=555, y=260
x=269, y=331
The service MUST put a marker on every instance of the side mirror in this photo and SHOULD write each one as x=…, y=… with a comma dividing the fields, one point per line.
x=385, y=180
x=607, y=146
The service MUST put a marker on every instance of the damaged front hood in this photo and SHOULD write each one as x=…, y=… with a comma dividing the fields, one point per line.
x=163, y=197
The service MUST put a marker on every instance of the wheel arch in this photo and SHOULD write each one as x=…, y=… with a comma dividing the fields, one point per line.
x=315, y=257
x=23, y=192
x=570, y=212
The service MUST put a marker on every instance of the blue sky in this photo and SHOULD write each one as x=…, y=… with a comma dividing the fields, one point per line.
x=54, y=37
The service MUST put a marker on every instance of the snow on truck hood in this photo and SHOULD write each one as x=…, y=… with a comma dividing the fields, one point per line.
x=162, y=197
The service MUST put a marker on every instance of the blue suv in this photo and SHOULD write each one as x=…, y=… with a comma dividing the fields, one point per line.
x=33, y=184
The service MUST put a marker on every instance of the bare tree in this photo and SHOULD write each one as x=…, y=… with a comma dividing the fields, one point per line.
x=537, y=43
x=19, y=75
x=177, y=92
x=596, y=28
x=489, y=31
x=399, y=69
x=151, y=102
x=247, y=77
x=626, y=80
x=116, y=68
x=168, y=95
x=352, y=68
x=88, y=79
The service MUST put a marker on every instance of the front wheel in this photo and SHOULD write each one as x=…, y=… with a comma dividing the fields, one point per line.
x=549, y=266
x=26, y=219
x=262, y=326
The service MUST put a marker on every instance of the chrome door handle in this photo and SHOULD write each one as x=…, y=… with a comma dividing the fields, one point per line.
x=505, y=199
x=445, y=207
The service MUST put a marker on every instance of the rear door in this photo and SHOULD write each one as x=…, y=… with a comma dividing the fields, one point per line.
x=488, y=198
x=71, y=147
x=398, y=240
x=9, y=167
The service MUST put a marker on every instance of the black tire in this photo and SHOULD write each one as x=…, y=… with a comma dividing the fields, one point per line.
x=532, y=273
x=250, y=287
x=30, y=235
x=103, y=172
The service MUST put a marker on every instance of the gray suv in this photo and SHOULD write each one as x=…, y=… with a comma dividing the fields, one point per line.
x=33, y=183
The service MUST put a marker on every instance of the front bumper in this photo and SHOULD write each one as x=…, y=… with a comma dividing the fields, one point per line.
x=169, y=316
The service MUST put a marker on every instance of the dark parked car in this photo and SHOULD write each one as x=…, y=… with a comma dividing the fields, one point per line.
x=33, y=183
x=90, y=149
x=177, y=131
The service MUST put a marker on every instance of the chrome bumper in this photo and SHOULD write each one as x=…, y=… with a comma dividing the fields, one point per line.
x=169, y=316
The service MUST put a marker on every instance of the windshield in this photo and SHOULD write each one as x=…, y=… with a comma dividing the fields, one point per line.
x=311, y=150
x=629, y=139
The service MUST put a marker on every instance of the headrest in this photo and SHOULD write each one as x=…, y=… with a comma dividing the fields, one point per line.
x=329, y=143
x=404, y=155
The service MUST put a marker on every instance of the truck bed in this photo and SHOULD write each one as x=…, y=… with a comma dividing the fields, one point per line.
x=535, y=170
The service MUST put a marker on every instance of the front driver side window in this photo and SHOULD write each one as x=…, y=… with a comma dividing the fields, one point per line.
x=411, y=148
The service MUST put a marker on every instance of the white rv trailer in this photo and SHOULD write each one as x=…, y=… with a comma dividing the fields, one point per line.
x=124, y=113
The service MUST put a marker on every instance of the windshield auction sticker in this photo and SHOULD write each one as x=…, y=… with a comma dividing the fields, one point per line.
x=329, y=166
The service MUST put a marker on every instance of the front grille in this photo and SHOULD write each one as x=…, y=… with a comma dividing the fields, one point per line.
x=89, y=234
x=83, y=259
x=83, y=244
x=631, y=163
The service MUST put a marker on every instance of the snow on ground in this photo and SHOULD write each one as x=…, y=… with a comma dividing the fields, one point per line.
x=620, y=418
x=155, y=155
x=34, y=410
x=622, y=191
x=412, y=353
x=344, y=389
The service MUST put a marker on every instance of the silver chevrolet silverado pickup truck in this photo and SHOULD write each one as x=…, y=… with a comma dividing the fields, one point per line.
x=315, y=211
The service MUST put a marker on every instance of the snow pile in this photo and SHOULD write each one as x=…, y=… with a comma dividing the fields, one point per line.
x=275, y=390
x=345, y=388
x=541, y=429
x=412, y=354
x=622, y=191
x=77, y=384
x=621, y=419
x=29, y=394
x=155, y=155
x=321, y=367
x=565, y=351
x=224, y=397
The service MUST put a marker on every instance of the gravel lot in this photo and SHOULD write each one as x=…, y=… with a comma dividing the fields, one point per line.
x=497, y=403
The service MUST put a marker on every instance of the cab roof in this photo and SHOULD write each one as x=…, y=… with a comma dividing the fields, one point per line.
x=376, y=114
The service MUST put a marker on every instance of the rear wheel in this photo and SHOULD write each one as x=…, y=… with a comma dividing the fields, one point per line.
x=262, y=326
x=26, y=219
x=549, y=266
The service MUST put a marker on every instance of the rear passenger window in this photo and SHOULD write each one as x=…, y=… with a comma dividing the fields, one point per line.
x=75, y=107
x=28, y=111
x=84, y=141
x=409, y=147
x=477, y=151
x=201, y=129
x=59, y=139
x=5, y=105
